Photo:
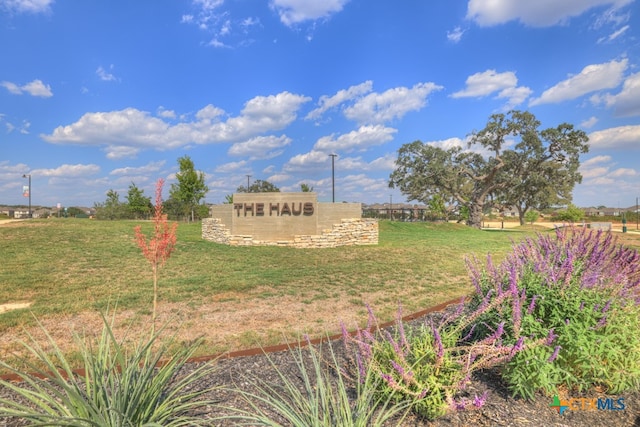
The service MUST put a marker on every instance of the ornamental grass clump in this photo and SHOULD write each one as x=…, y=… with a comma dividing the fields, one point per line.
x=319, y=394
x=431, y=365
x=581, y=290
x=117, y=387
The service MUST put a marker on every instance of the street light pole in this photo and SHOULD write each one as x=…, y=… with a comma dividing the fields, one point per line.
x=333, y=177
x=248, y=176
x=26, y=175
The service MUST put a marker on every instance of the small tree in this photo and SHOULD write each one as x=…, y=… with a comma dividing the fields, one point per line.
x=138, y=205
x=571, y=214
x=531, y=216
x=305, y=188
x=112, y=208
x=159, y=247
x=190, y=189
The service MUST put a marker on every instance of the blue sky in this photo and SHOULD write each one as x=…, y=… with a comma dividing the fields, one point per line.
x=96, y=95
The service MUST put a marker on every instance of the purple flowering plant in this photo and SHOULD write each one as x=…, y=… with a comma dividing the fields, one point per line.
x=581, y=290
x=431, y=365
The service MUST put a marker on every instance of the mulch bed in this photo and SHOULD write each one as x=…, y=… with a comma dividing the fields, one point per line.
x=501, y=409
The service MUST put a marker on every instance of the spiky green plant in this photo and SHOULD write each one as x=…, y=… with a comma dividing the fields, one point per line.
x=141, y=387
x=323, y=395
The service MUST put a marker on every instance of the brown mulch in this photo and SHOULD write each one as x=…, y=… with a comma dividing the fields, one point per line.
x=500, y=409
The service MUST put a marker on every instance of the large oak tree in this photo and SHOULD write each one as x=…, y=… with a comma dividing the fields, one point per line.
x=510, y=160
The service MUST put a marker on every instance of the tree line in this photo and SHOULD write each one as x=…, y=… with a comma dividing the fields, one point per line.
x=185, y=200
x=510, y=163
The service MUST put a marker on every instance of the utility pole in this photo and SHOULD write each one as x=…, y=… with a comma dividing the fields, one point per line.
x=248, y=176
x=333, y=177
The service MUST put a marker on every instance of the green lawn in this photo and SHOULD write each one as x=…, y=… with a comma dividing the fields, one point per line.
x=69, y=266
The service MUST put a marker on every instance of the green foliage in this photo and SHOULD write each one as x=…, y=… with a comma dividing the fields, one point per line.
x=258, y=186
x=112, y=208
x=430, y=366
x=596, y=347
x=118, y=388
x=75, y=212
x=305, y=188
x=325, y=397
x=571, y=214
x=580, y=293
x=540, y=169
x=531, y=216
x=190, y=188
x=228, y=199
x=138, y=204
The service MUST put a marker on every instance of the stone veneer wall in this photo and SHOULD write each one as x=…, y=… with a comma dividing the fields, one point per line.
x=349, y=232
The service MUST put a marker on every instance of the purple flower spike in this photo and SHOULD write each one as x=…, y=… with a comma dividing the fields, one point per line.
x=550, y=337
x=479, y=401
x=532, y=304
x=554, y=355
x=438, y=343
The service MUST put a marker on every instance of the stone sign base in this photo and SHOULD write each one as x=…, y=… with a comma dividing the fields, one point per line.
x=349, y=232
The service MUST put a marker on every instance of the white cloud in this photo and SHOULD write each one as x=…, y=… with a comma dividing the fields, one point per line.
x=231, y=167
x=12, y=172
x=344, y=95
x=596, y=161
x=293, y=12
x=140, y=170
x=600, y=177
x=611, y=37
x=627, y=102
x=166, y=114
x=11, y=87
x=280, y=177
x=361, y=139
x=514, y=95
x=589, y=123
x=313, y=160
x=27, y=6
x=387, y=162
x=116, y=152
x=224, y=29
x=126, y=132
x=260, y=147
x=391, y=104
x=105, y=75
x=361, y=186
x=456, y=35
x=622, y=137
x=488, y=82
x=540, y=13
x=67, y=171
x=449, y=143
x=623, y=172
x=592, y=78
x=33, y=88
